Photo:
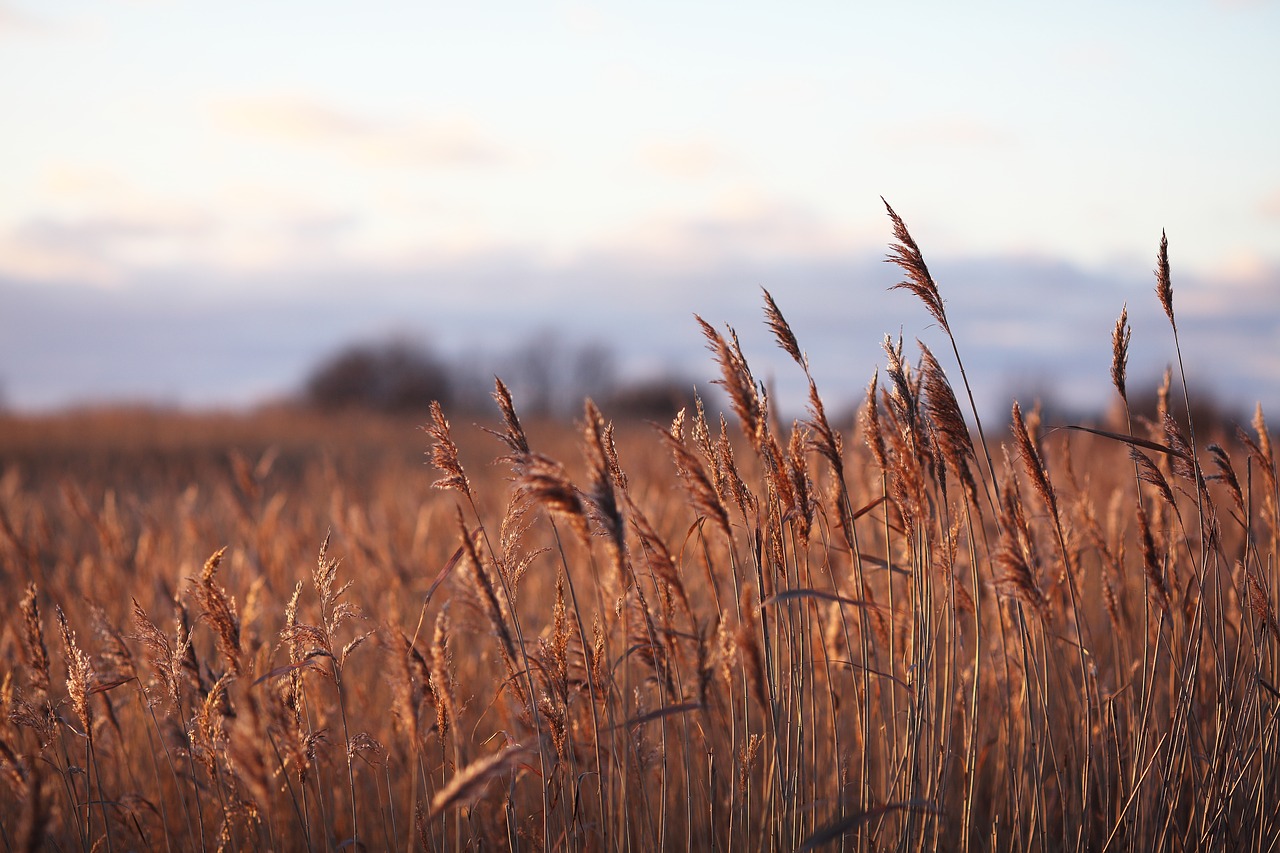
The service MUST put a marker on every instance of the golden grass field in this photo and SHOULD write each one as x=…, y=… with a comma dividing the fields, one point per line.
x=286, y=631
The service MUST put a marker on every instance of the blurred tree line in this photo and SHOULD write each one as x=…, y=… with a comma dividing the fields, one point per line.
x=548, y=379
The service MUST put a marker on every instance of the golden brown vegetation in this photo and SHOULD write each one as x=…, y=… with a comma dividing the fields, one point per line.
x=888, y=636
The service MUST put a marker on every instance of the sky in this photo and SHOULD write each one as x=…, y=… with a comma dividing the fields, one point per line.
x=199, y=200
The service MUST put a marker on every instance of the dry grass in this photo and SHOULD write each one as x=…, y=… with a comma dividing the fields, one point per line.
x=275, y=634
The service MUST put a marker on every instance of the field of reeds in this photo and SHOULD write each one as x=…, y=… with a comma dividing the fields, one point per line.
x=908, y=632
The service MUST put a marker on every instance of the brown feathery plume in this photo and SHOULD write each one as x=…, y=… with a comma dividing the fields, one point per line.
x=906, y=254
x=442, y=680
x=700, y=433
x=1266, y=458
x=1157, y=586
x=906, y=481
x=406, y=689
x=702, y=495
x=115, y=661
x=801, y=485
x=168, y=661
x=661, y=563
x=489, y=598
x=826, y=441
x=729, y=483
x=1164, y=289
x=1034, y=421
x=425, y=839
x=870, y=418
x=444, y=454
x=1227, y=476
x=598, y=662
x=770, y=545
x=1120, y=336
x=79, y=675
x=945, y=560
x=468, y=784
x=1150, y=474
x=296, y=649
x=555, y=651
x=514, y=437
x=33, y=645
x=326, y=572
x=644, y=642
x=605, y=476
x=1181, y=456
x=736, y=380
x=748, y=758
x=333, y=612
x=220, y=611
x=1111, y=563
x=1260, y=452
x=1162, y=399
x=514, y=562
x=698, y=430
x=951, y=432
x=724, y=649
x=1033, y=463
x=775, y=471
x=1260, y=603
x=1115, y=605
x=43, y=719
x=543, y=481
x=368, y=748
x=1013, y=554
x=555, y=718
x=901, y=394
x=782, y=331
x=1016, y=578
x=207, y=735
x=12, y=768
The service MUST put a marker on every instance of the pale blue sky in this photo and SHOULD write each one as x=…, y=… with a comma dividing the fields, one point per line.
x=242, y=148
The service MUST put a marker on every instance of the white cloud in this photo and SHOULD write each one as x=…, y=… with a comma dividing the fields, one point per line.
x=737, y=224
x=14, y=21
x=1244, y=277
x=688, y=160
x=114, y=245
x=1269, y=206
x=448, y=141
x=20, y=258
x=950, y=131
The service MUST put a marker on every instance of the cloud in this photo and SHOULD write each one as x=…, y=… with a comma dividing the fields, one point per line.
x=14, y=21
x=436, y=142
x=689, y=160
x=78, y=182
x=1269, y=206
x=118, y=245
x=950, y=132
x=737, y=224
x=20, y=258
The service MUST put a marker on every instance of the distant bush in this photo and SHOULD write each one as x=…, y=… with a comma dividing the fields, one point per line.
x=397, y=377
x=654, y=400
